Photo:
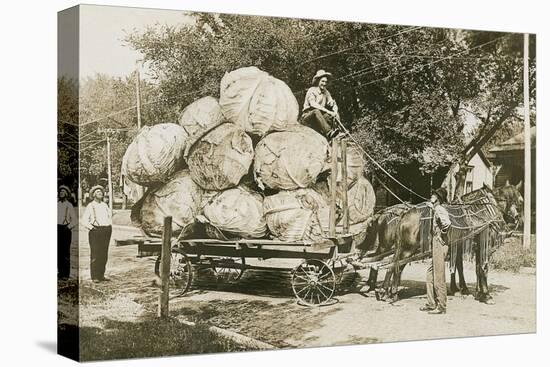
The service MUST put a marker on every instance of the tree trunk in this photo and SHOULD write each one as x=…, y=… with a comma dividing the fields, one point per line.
x=474, y=147
x=460, y=177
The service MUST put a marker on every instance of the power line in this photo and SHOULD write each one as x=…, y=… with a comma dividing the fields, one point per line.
x=414, y=69
x=410, y=29
x=346, y=131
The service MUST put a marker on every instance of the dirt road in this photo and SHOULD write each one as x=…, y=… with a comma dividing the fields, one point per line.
x=261, y=304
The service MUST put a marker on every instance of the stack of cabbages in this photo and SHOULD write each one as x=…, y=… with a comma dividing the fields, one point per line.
x=243, y=167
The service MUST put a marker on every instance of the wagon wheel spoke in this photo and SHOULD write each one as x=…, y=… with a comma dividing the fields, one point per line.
x=180, y=276
x=228, y=273
x=304, y=288
x=325, y=275
x=324, y=286
x=323, y=293
x=301, y=277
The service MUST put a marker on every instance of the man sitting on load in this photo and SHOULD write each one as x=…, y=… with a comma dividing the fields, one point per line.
x=320, y=111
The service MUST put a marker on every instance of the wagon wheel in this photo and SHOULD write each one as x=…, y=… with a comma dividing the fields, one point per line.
x=181, y=274
x=228, y=274
x=313, y=282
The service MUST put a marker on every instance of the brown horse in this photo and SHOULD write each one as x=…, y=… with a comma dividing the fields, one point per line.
x=381, y=236
x=407, y=244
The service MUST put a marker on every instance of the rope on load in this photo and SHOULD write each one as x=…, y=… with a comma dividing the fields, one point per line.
x=347, y=132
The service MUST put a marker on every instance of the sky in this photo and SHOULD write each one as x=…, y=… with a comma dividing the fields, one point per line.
x=102, y=30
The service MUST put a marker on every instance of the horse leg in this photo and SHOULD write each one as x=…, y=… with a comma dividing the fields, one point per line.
x=460, y=269
x=373, y=277
x=482, y=294
x=382, y=294
x=454, y=288
x=394, y=290
x=485, y=296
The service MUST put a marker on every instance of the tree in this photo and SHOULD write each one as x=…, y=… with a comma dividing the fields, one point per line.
x=107, y=102
x=497, y=106
x=67, y=133
x=401, y=90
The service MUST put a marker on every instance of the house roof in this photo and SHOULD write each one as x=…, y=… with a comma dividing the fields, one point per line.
x=483, y=158
x=515, y=143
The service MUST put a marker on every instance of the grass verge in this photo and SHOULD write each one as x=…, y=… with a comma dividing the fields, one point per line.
x=511, y=256
x=149, y=338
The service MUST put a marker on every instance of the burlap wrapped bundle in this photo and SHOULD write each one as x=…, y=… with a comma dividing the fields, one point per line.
x=199, y=118
x=236, y=212
x=290, y=160
x=258, y=102
x=155, y=154
x=180, y=198
x=221, y=158
x=299, y=215
x=361, y=200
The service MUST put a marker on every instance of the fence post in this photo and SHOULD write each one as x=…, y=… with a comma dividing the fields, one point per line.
x=166, y=254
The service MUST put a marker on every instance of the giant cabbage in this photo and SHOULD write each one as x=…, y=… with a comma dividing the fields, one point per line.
x=200, y=117
x=299, y=215
x=258, y=102
x=180, y=198
x=155, y=154
x=290, y=160
x=221, y=158
x=236, y=212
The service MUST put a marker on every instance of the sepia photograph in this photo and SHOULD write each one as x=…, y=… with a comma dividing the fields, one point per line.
x=231, y=182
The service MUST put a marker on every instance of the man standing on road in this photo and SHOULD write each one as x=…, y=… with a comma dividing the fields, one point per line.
x=436, y=286
x=66, y=221
x=320, y=111
x=98, y=220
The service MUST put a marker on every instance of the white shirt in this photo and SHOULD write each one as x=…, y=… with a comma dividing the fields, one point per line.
x=97, y=214
x=66, y=214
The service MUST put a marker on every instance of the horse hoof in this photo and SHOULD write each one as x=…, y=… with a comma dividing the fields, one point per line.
x=371, y=288
x=487, y=301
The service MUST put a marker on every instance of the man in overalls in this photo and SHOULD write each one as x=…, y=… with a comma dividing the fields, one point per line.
x=436, y=286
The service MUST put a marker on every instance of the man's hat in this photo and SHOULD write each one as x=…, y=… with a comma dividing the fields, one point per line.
x=66, y=188
x=441, y=193
x=95, y=188
x=320, y=73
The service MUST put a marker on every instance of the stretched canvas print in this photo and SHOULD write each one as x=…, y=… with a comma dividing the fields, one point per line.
x=235, y=183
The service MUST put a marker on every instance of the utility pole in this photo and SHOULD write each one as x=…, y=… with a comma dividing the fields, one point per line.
x=139, y=189
x=138, y=99
x=107, y=133
x=527, y=144
x=109, y=175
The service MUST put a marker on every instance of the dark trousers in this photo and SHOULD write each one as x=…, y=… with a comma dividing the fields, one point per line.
x=64, y=236
x=99, y=238
x=319, y=121
x=436, y=286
